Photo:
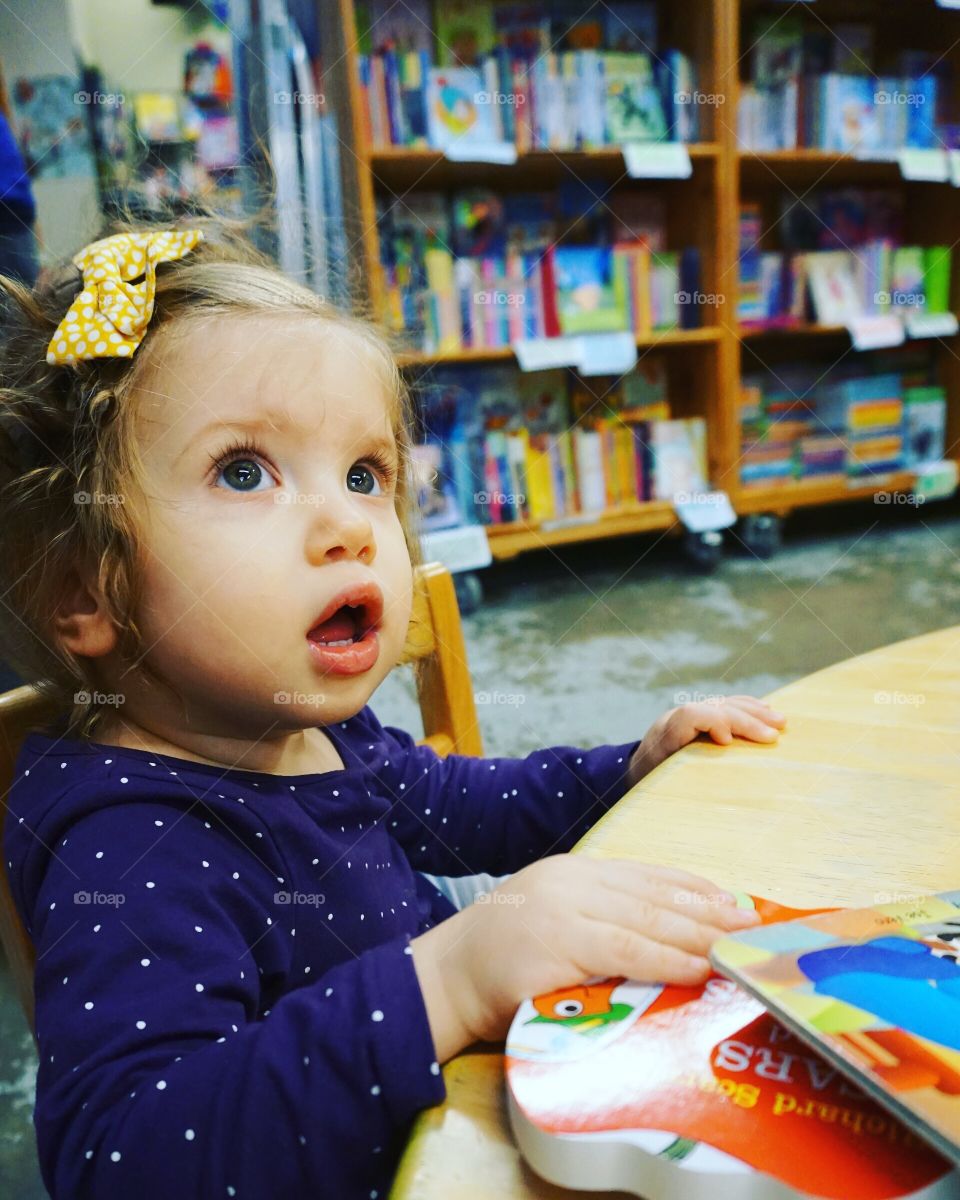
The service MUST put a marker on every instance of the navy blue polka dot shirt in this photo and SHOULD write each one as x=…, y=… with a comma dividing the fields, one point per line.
x=226, y=1001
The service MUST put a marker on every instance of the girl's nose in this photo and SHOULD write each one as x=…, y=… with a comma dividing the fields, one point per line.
x=340, y=530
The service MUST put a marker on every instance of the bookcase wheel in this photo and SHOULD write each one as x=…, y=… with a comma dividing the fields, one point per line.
x=704, y=550
x=761, y=534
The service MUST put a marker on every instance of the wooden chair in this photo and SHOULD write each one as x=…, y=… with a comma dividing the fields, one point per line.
x=434, y=644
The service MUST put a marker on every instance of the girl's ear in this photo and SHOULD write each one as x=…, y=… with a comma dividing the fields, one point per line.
x=82, y=622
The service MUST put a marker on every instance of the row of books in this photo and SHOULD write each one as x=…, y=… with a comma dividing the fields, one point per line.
x=478, y=270
x=827, y=88
x=566, y=100
x=848, y=114
x=498, y=448
x=851, y=429
x=858, y=269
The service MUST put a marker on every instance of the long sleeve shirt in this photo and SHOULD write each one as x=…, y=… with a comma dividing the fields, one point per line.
x=226, y=1000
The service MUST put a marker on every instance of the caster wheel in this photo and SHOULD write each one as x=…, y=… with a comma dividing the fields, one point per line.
x=762, y=534
x=704, y=550
x=469, y=591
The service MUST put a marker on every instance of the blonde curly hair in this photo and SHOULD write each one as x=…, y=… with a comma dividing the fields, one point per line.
x=67, y=433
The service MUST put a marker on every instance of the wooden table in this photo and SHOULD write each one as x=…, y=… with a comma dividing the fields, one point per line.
x=861, y=795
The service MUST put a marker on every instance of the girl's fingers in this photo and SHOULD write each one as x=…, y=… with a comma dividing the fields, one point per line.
x=632, y=876
x=615, y=950
x=758, y=708
x=710, y=911
x=744, y=725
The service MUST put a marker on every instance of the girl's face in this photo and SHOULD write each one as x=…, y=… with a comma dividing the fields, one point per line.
x=277, y=587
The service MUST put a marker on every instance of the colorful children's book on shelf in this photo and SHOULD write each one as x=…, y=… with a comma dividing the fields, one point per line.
x=876, y=991
x=676, y=1093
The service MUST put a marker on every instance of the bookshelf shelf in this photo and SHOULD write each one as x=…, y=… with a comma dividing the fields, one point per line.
x=401, y=167
x=702, y=212
x=707, y=335
x=509, y=540
x=789, y=496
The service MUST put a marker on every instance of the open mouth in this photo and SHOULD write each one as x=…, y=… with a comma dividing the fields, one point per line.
x=344, y=639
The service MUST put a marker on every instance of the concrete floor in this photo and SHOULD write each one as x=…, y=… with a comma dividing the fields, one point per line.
x=590, y=646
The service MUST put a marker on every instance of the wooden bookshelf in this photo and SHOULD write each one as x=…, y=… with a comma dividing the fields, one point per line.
x=703, y=211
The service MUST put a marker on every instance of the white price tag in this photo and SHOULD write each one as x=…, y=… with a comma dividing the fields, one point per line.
x=931, y=325
x=657, y=160
x=876, y=333
x=540, y=354
x=463, y=151
x=607, y=353
x=953, y=161
x=465, y=548
x=948, y=3
x=924, y=166
x=701, y=512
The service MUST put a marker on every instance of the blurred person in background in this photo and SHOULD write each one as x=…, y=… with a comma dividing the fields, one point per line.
x=18, y=241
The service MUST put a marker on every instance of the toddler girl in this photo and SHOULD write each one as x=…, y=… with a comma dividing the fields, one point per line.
x=244, y=984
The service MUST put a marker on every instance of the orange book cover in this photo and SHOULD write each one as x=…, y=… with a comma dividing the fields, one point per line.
x=676, y=1093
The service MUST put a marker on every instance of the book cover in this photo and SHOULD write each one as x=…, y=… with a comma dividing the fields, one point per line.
x=464, y=30
x=877, y=992
x=833, y=289
x=676, y=1093
x=679, y=456
x=630, y=25
x=587, y=300
x=633, y=104
x=454, y=115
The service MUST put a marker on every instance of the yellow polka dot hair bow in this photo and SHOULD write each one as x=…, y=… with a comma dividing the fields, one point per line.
x=110, y=315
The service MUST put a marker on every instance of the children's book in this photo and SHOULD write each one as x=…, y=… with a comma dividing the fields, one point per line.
x=464, y=30
x=634, y=108
x=587, y=299
x=877, y=992
x=455, y=113
x=697, y=1093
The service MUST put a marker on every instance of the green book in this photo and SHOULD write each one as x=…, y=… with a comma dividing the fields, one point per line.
x=936, y=278
x=464, y=30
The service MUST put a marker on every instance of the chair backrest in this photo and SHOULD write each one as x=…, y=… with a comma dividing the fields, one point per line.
x=434, y=642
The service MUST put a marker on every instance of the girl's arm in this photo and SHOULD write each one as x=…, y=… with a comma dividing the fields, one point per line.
x=169, y=1067
x=463, y=815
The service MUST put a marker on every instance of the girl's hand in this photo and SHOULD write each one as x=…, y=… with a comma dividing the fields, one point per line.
x=555, y=924
x=723, y=718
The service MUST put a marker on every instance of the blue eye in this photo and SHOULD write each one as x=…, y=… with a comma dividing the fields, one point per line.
x=243, y=475
x=361, y=479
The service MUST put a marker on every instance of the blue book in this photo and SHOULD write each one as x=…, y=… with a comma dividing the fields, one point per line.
x=922, y=113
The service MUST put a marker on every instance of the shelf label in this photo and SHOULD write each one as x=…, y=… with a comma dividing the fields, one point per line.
x=657, y=160
x=953, y=160
x=465, y=548
x=937, y=480
x=948, y=3
x=606, y=353
x=876, y=333
x=464, y=151
x=702, y=512
x=931, y=325
x=540, y=354
x=924, y=166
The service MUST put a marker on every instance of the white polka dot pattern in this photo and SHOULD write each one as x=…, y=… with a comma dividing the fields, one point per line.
x=110, y=315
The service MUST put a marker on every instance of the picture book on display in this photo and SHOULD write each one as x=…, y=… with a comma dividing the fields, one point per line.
x=698, y=1093
x=876, y=991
